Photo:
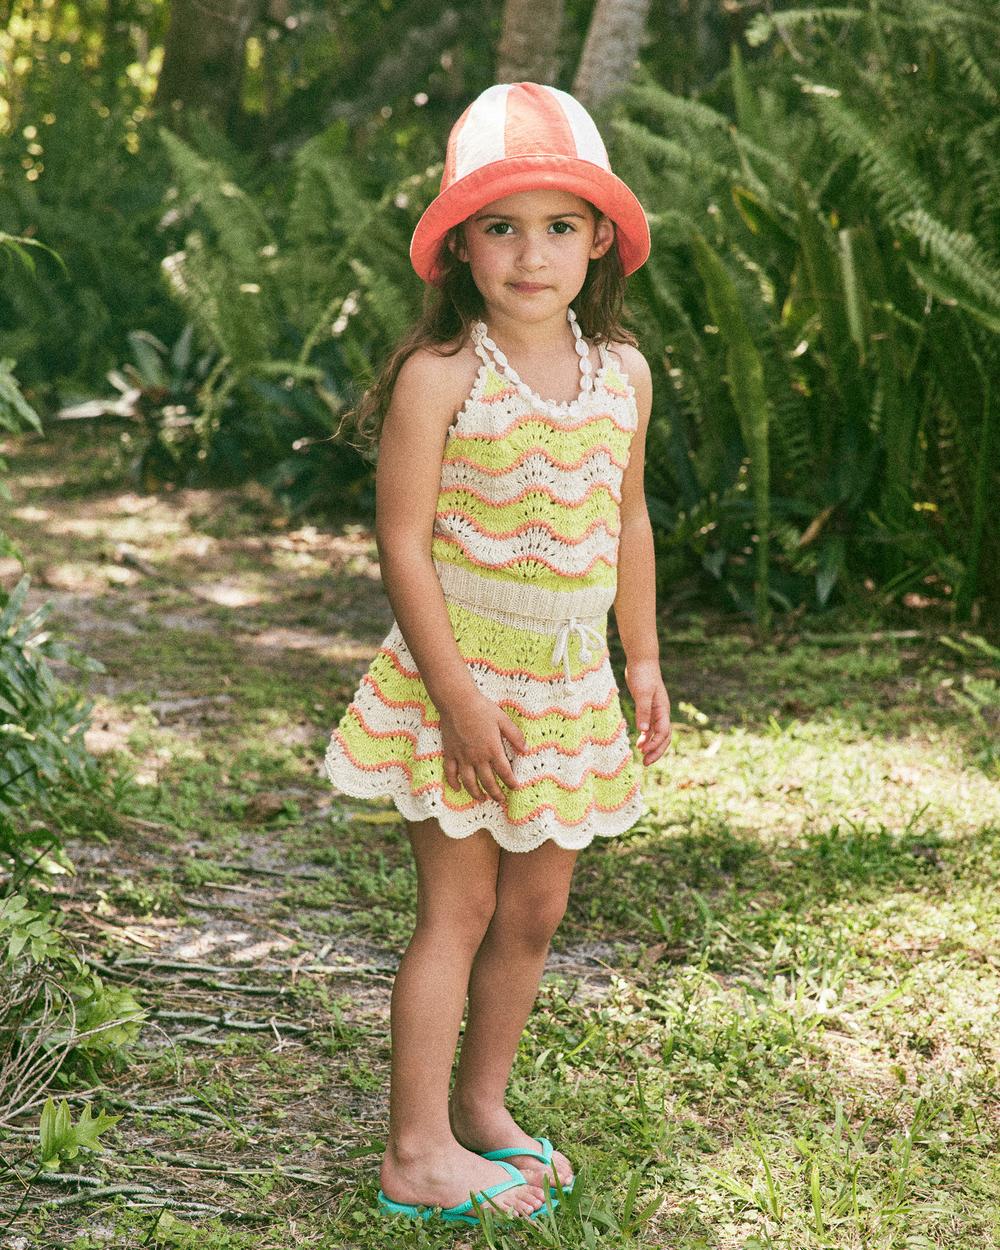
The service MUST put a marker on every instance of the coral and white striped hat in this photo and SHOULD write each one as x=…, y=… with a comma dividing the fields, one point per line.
x=526, y=136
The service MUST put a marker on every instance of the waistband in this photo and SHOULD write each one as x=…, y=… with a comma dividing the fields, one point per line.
x=528, y=606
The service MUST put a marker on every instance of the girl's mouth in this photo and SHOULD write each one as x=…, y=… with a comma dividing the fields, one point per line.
x=527, y=288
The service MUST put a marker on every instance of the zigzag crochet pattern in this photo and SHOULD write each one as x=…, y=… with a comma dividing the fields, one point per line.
x=525, y=544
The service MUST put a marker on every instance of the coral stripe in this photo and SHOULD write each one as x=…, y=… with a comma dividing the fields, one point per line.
x=437, y=785
x=535, y=489
x=525, y=526
x=507, y=389
x=536, y=123
x=536, y=451
x=535, y=750
x=495, y=668
x=372, y=681
x=506, y=564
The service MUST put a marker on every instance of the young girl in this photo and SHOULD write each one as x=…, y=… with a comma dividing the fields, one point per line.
x=510, y=518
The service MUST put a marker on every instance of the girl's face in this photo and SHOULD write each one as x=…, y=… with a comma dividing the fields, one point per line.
x=528, y=252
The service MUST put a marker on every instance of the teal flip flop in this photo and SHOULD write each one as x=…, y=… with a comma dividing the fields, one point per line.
x=543, y=1155
x=459, y=1214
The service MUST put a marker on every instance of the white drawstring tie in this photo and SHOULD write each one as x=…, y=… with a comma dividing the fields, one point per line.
x=561, y=649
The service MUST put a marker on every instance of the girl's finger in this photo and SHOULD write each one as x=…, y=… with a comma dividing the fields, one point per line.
x=659, y=739
x=661, y=719
x=502, y=768
x=489, y=783
x=660, y=712
x=471, y=782
x=513, y=734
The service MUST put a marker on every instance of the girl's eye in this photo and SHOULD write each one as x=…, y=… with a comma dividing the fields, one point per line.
x=505, y=226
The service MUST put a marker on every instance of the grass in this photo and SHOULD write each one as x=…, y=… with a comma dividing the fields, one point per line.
x=769, y=1016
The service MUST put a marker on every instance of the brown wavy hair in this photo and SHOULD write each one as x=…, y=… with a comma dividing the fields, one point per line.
x=450, y=310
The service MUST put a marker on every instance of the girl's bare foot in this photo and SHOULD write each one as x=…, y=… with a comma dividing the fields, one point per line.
x=446, y=1176
x=496, y=1129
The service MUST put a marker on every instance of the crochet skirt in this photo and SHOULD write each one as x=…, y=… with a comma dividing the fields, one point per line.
x=577, y=777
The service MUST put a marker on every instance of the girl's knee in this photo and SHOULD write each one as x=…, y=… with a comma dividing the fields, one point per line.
x=456, y=882
x=463, y=918
x=530, y=919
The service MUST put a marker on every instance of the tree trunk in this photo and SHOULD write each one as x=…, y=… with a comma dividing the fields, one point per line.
x=203, y=57
x=611, y=50
x=529, y=41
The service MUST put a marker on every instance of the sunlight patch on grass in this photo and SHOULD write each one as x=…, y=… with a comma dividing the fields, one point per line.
x=340, y=649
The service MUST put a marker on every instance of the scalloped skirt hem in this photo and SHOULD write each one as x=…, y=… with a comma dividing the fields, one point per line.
x=576, y=777
x=488, y=814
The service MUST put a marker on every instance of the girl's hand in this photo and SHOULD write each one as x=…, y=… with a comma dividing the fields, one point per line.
x=472, y=736
x=652, y=708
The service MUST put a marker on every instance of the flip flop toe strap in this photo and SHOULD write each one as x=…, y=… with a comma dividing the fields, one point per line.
x=543, y=1156
x=516, y=1178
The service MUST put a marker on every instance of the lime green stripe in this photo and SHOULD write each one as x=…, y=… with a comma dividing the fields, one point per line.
x=564, y=446
x=479, y=637
x=570, y=521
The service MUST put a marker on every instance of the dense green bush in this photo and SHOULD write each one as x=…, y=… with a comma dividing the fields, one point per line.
x=827, y=222
x=58, y=1020
x=293, y=304
x=88, y=178
x=42, y=722
x=42, y=750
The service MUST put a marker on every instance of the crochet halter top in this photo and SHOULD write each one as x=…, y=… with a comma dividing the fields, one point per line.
x=527, y=521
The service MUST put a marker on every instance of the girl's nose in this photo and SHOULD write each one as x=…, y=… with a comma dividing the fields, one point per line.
x=531, y=255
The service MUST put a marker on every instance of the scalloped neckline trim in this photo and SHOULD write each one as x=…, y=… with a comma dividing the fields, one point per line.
x=564, y=407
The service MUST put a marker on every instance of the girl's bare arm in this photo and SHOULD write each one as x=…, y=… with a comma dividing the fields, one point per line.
x=428, y=392
x=635, y=600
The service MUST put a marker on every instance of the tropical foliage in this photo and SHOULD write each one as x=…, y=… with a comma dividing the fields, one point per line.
x=840, y=204
x=58, y=1020
x=821, y=308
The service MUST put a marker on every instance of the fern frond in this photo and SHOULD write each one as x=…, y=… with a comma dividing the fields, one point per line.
x=239, y=225
x=672, y=153
x=764, y=25
x=673, y=110
x=897, y=186
x=966, y=273
x=973, y=75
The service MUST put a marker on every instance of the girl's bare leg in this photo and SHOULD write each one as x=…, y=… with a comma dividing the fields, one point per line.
x=532, y=892
x=456, y=896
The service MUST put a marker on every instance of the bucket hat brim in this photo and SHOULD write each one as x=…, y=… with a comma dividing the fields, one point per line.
x=544, y=171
